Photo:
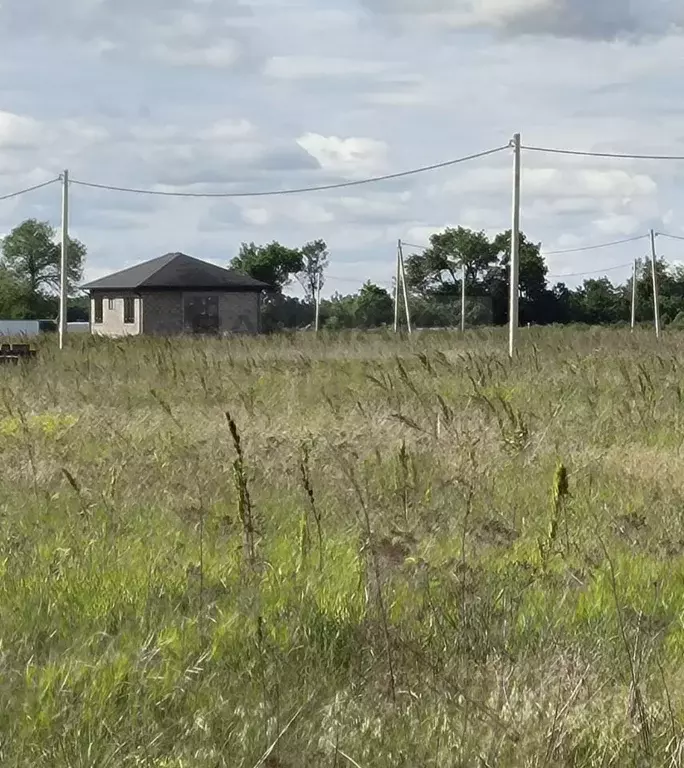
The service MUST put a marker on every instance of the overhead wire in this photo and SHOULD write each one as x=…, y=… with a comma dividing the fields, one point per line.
x=388, y=177
x=29, y=189
x=594, y=272
x=356, y=281
x=671, y=237
x=565, y=250
x=413, y=245
x=296, y=190
x=588, y=153
x=597, y=246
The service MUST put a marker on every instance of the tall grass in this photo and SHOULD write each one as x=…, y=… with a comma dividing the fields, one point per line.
x=344, y=550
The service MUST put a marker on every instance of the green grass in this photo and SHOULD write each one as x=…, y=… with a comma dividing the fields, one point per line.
x=390, y=571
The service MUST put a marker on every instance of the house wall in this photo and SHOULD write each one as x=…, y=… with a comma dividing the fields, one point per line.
x=113, y=319
x=162, y=313
x=239, y=312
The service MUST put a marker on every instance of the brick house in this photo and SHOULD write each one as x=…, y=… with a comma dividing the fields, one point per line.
x=172, y=295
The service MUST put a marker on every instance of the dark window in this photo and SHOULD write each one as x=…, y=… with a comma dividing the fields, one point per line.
x=111, y=303
x=98, y=309
x=201, y=313
x=129, y=310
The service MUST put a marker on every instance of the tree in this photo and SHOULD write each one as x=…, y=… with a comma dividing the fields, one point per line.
x=373, y=307
x=13, y=304
x=283, y=311
x=274, y=263
x=600, y=302
x=533, y=269
x=31, y=258
x=315, y=262
x=437, y=270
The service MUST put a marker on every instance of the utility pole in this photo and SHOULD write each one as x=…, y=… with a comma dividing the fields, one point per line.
x=463, y=298
x=654, y=267
x=318, y=300
x=397, y=278
x=515, y=252
x=63, y=282
x=402, y=270
x=634, y=293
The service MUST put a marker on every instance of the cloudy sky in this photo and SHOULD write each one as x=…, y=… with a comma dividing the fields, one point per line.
x=248, y=95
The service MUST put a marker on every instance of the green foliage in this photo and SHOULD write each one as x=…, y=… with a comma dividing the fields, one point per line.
x=678, y=321
x=30, y=268
x=274, y=263
x=438, y=268
x=315, y=259
x=601, y=302
x=373, y=307
x=179, y=587
x=434, y=281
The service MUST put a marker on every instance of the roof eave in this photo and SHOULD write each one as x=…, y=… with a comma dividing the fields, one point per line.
x=181, y=288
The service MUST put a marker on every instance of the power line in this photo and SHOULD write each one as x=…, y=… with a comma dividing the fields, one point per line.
x=595, y=272
x=671, y=237
x=356, y=281
x=413, y=245
x=298, y=190
x=567, y=250
x=618, y=155
x=596, y=247
x=30, y=189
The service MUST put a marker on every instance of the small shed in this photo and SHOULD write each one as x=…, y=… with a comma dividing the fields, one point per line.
x=175, y=294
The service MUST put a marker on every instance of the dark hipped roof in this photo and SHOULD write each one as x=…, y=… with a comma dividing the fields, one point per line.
x=176, y=270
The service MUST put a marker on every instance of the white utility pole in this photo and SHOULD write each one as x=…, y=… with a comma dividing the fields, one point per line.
x=403, y=285
x=63, y=282
x=318, y=300
x=397, y=278
x=463, y=298
x=634, y=293
x=514, y=302
x=654, y=265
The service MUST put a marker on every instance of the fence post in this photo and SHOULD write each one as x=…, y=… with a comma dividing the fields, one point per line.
x=63, y=279
x=463, y=298
x=403, y=285
x=318, y=300
x=514, y=302
x=634, y=293
x=656, y=303
x=397, y=277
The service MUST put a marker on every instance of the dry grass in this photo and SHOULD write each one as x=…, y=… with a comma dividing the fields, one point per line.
x=386, y=574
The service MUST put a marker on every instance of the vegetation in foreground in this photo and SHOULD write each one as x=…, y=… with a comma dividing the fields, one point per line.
x=345, y=551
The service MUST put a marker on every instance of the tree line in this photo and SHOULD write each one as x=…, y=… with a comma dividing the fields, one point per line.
x=433, y=278
x=30, y=258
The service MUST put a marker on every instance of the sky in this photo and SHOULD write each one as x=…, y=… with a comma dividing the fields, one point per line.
x=230, y=96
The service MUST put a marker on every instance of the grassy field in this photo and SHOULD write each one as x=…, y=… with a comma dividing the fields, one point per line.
x=345, y=551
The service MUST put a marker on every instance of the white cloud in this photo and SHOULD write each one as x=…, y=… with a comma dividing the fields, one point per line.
x=19, y=132
x=593, y=19
x=300, y=67
x=257, y=216
x=227, y=129
x=230, y=96
x=549, y=190
x=33, y=150
x=220, y=55
x=353, y=157
x=618, y=224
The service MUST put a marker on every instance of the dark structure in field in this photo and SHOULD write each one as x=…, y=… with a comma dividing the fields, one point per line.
x=175, y=294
